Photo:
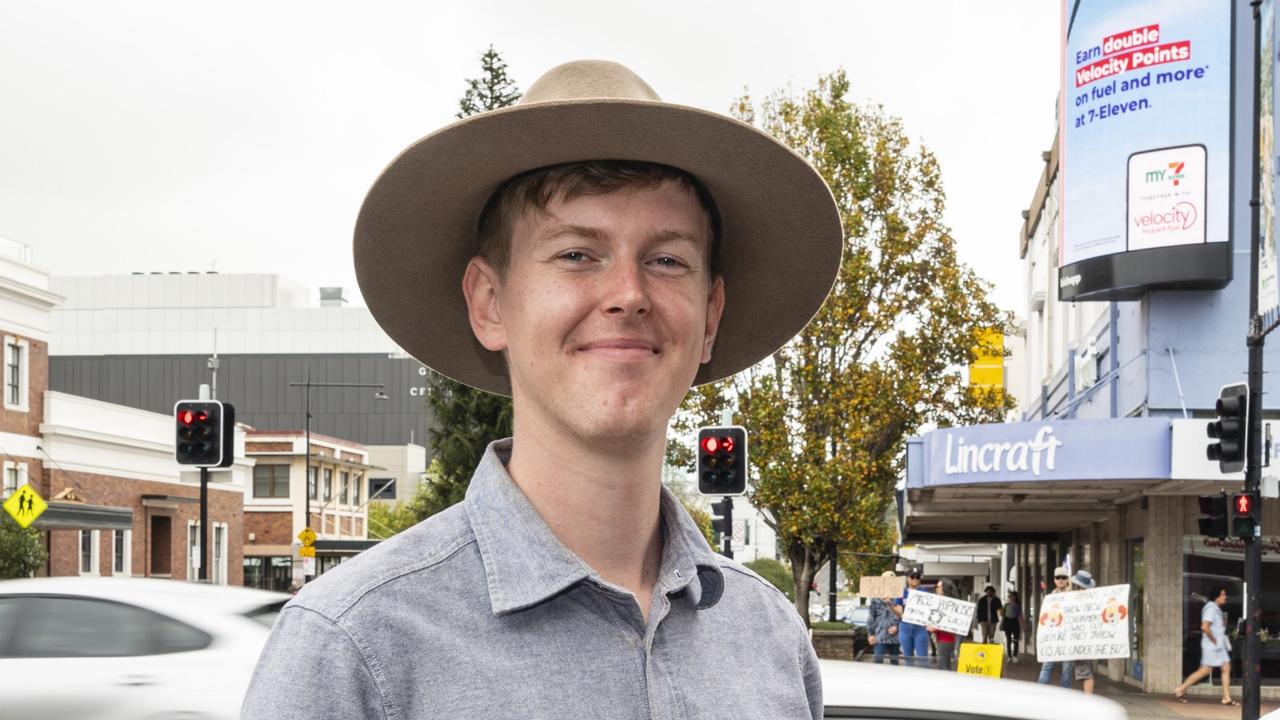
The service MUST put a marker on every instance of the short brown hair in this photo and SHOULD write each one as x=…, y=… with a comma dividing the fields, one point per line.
x=536, y=188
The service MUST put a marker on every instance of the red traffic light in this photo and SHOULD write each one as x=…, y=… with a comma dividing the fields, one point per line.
x=711, y=444
x=1244, y=504
x=186, y=417
x=726, y=444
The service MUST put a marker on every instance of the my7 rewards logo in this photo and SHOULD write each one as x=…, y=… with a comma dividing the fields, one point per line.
x=1174, y=173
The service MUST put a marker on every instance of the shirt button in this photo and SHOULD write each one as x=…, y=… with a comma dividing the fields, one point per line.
x=678, y=574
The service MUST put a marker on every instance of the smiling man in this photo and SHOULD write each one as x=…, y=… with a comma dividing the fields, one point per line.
x=612, y=250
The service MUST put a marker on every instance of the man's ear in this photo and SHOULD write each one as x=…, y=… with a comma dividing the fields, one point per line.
x=715, y=308
x=480, y=285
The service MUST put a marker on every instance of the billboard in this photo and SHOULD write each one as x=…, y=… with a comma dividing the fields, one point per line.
x=1268, y=280
x=1145, y=132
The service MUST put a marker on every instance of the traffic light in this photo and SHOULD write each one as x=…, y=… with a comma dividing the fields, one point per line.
x=1231, y=428
x=1244, y=515
x=722, y=460
x=722, y=517
x=1213, y=511
x=205, y=433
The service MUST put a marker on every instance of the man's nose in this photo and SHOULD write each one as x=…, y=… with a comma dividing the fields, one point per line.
x=627, y=290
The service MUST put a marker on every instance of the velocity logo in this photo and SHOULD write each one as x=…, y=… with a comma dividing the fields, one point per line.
x=1182, y=216
x=1174, y=173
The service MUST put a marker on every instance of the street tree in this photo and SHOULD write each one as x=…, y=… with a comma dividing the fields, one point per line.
x=21, y=551
x=829, y=413
x=465, y=420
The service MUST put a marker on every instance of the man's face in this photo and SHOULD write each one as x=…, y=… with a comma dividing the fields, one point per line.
x=1060, y=581
x=605, y=312
x=913, y=581
x=1221, y=599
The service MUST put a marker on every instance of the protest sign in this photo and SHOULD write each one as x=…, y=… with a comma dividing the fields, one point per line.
x=940, y=611
x=874, y=586
x=1084, y=624
x=980, y=659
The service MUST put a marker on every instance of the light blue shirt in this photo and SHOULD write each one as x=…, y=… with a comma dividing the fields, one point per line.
x=481, y=612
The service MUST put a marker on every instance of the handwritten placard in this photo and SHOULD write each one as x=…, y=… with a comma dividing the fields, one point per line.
x=1084, y=624
x=939, y=611
x=874, y=586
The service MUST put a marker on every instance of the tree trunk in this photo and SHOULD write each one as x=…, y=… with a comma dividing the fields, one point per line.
x=803, y=569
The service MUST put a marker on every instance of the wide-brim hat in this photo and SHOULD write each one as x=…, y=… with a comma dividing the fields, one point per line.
x=1083, y=579
x=780, y=228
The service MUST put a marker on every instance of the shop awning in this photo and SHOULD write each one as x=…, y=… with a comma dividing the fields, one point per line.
x=80, y=516
x=341, y=547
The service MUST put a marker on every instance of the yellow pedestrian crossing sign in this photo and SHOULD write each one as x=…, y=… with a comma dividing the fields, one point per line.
x=307, y=551
x=25, y=505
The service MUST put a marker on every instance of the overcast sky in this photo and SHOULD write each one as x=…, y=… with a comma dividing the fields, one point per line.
x=242, y=136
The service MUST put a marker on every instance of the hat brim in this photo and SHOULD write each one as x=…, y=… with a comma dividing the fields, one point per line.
x=781, y=230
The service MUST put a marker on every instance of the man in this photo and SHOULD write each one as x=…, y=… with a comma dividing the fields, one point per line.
x=914, y=638
x=1083, y=580
x=1061, y=578
x=1215, y=649
x=989, y=612
x=514, y=252
x=882, y=628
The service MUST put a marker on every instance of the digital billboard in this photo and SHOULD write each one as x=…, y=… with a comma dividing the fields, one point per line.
x=1268, y=277
x=1145, y=157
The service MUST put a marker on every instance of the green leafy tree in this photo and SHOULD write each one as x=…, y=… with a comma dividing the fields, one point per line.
x=776, y=573
x=829, y=413
x=492, y=90
x=466, y=420
x=21, y=550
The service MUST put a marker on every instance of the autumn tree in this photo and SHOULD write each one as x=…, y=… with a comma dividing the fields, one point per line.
x=21, y=549
x=829, y=413
x=465, y=420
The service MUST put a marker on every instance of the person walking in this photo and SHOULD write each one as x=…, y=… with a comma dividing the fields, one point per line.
x=989, y=612
x=913, y=638
x=882, y=629
x=1215, y=649
x=1061, y=578
x=944, y=640
x=1012, y=625
x=1083, y=669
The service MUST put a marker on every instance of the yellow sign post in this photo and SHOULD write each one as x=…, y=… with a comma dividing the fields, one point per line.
x=307, y=537
x=307, y=551
x=25, y=505
x=980, y=659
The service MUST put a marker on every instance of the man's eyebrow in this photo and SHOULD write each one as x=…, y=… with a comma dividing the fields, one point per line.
x=583, y=231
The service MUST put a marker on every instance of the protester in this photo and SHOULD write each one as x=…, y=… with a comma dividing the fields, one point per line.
x=1060, y=581
x=988, y=614
x=913, y=638
x=1215, y=649
x=1083, y=580
x=944, y=640
x=566, y=251
x=882, y=629
x=1012, y=625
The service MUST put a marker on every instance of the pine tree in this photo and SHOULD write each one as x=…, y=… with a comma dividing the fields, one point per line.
x=466, y=420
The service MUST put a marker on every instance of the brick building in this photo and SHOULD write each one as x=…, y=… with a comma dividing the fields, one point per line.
x=118, y=503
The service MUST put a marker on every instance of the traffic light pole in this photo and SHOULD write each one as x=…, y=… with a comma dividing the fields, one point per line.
x=1251, y=707
x=204, y=525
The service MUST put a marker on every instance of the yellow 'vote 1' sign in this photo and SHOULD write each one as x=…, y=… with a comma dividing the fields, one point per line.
x=980, y=659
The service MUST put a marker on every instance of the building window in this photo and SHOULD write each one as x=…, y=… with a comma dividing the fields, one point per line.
x=15, y=476
x=355, y=490
x=16, y=360
x=121, y=548
x=271, y=481
x=218, y=574
x=88, y=552
x=382, y=489
x=328, y=484
x=344, y=487
x=311, y=483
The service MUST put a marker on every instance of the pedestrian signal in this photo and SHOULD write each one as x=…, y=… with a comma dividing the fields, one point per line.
x=1244, y=515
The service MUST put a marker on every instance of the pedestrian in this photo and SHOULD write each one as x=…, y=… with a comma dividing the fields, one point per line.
x=1061, y=578
x=1215, y=649
x=945, y=640
x=1083, y=669
x=1012, y=625
x=882, y=629
x=988, y=614
x=913, y=638
x=574, y=251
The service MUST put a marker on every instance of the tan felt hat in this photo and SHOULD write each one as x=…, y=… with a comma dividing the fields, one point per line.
x=781, y=232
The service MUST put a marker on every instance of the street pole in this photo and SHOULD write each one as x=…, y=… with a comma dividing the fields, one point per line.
x=1251, y=707
x=831, y=584
x=204, y=525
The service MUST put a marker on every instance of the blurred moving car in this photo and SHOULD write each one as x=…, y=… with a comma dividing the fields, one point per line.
x=108, y=648
x=865, y=690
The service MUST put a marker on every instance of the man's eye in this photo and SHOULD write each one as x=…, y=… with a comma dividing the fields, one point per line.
x=573, y=256
x=668, y=262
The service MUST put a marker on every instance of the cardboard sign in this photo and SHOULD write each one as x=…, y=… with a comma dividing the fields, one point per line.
x=980, y=659
x=939, y=611
x=874, y=586
x=1084, y=625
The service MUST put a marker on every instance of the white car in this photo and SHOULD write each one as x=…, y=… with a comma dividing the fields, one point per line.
x=866, y=690
x=116, y=648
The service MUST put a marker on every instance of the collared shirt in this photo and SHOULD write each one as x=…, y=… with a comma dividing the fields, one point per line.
x=481, y=612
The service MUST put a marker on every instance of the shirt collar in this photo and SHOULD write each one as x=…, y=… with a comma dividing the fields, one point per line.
x=525, y=563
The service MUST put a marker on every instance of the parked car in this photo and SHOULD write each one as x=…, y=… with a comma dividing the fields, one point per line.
x=865, y=690
x=858, y=616
x=116, y=648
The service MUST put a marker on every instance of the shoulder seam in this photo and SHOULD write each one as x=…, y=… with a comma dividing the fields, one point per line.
x=389, y=710
x=754, y=576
